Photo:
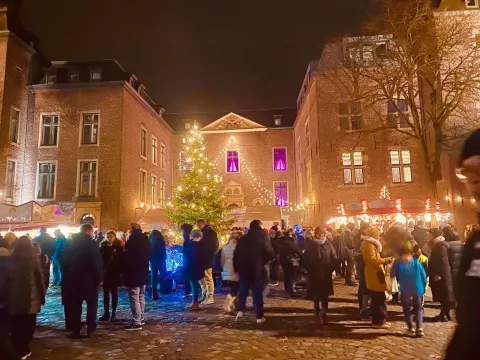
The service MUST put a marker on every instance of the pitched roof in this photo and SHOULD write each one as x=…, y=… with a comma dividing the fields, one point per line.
x=264, y=117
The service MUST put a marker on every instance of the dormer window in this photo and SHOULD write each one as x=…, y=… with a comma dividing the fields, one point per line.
x=96, y=75
x=73, y=76
x=471, y=4
x=51, y=79
x=278, y=120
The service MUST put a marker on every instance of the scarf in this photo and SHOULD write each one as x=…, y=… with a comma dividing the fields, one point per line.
x=320, y=241
x=427, y=249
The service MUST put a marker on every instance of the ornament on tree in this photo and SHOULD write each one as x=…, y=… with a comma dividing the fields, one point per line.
x=384, y=193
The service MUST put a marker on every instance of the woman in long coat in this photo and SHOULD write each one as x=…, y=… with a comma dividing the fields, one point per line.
x=320, y=259
x=195, y=253
x=288, y=254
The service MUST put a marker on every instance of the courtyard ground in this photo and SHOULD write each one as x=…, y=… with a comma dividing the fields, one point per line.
x=289, y=333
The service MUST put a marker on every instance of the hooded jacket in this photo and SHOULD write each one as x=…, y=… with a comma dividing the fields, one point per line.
x=374, y=264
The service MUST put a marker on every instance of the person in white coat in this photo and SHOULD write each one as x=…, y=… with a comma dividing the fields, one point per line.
x=228, y=273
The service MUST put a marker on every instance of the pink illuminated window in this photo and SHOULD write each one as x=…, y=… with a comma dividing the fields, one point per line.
x=281, y=193
x=233, y=165
x=279, y=159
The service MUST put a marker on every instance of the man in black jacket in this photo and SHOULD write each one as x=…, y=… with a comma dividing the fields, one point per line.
x=210, y=245
x=420, y=234
x=464, y=343
x=158, y=260
x=83, y=274
x=135, y=274
x=252, y=253
x=47, y=246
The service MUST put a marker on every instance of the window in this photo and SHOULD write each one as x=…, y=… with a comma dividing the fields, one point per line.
x=10, y=179
x=278, y=120
x=280, y=159
x=73, y=76
x=143, y=181
x=307, y=135
x=401, y=169
x=46, y=178
x=162, y=155
x=51, y=79
x=397, y=114
x=49, y=130
x=281, y=193
x=87, y=184
x=233, y=165
x=153, y=190
x=143, y=143
x=154, y=150
x=471, y=3
x=350, y=116
x=14, y=124
x=90, y=125
x=96, y=75
x=162, y=193
x=352, y=168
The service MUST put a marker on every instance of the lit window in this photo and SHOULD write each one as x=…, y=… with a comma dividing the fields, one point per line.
x=88, y=179
x=280, y=159
x=352, y=171
x=233, y=165
x=143, y=143
x=278, y=120
x=10, y=179
x=162, y=193
x=397, y=114
x=90, y=125
x=162, y=155
x=46, y=180
x=350, y=116
x=14, y=123
x=471, y=3
x=49, y=130
x=143, y=180
x=153, y=190
x=400, y=161
x=154, y=150
x=96, y=75
x=281, y=193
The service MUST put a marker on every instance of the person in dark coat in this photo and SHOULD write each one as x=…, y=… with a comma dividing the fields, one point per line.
x=186, y=229
x=135, y=272
x=210, y=245
x=6, y=348
x=47, y=246
x=420, y=234
x=319, y=259
x=455, y=249
x=82, y=275
x=158, y=261
x=440, y=274
x=195, y=266
x=464, y=343
x=27, y=294
x=274, y=235
x=346, y=249
x=111, y=251
x=289, y=253
x=251, y=255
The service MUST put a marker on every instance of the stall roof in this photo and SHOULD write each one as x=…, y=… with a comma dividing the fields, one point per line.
x=153, y=219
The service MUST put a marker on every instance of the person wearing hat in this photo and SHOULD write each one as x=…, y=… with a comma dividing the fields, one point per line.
x=464, y=344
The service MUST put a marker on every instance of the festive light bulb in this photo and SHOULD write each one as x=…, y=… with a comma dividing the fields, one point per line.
x=142, y=205
x=179, y=188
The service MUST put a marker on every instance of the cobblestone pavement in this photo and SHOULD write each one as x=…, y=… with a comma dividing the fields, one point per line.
x=289, y=333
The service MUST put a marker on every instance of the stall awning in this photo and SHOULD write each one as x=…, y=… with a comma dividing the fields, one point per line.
x=153, y=219
x=267, y=214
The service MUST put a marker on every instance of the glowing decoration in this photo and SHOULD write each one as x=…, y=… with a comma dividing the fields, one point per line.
x=428, y=217
x=281, y=193
x=233, y=162
x=400, y=218
x=280, y=159
x=384, y=193
x=427, y=204
x=437, y=206
x=364, y=205
x=398, y=204
x=142, y=205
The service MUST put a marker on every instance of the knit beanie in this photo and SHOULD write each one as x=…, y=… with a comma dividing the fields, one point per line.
x=471, y=147
x=11, y=238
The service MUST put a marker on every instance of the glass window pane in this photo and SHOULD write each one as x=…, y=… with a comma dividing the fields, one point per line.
x=358, y=176
x=402, y=105
x=391, y=107
x=281, y=194
x=279, y=159
x=407, y=174
x=394, y=158
x=403, y=122
x=347, y=176
x=396, y=177
x=346, y=159
x=356, y=122
x=232, y=162
x=355, y=108
x=357, y=158
x=406, y=157
x=343, y=108
x=344, y=123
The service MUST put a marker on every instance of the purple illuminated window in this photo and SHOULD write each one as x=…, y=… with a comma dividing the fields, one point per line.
x=281, y=196
x=280, y=159
x=232, y=162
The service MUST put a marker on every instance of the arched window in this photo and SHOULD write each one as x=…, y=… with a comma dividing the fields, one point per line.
x=87, y=219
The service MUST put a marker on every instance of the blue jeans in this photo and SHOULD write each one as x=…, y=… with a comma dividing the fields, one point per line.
x=257, y=289
x=407, y=301
x=137, y=304
x=57, y=273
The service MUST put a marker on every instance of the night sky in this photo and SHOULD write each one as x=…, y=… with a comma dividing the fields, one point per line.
x=198, y=55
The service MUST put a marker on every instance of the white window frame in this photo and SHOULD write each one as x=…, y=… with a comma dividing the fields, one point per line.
x=401, y=165
x=140, y=186
x=143, y=128
x=161, y=193
x=79, y=179
x=350, y=115
x=226, y=162
x=397, y=113
x=475, y=6
x=154, y=149
x=14, y=180
x=12, y=109
x=288, y=193
x=80, y=137
x=37, y=178
x=286, y=157
x=95, y=70
x=41, y=130
x=352, y=167
x=153, y=190
x=162, y=155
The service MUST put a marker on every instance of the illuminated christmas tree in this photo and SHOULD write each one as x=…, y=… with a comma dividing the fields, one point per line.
x=384, y=193
x=198, y=192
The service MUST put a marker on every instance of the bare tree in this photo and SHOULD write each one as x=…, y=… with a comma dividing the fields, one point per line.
x=416, y=72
